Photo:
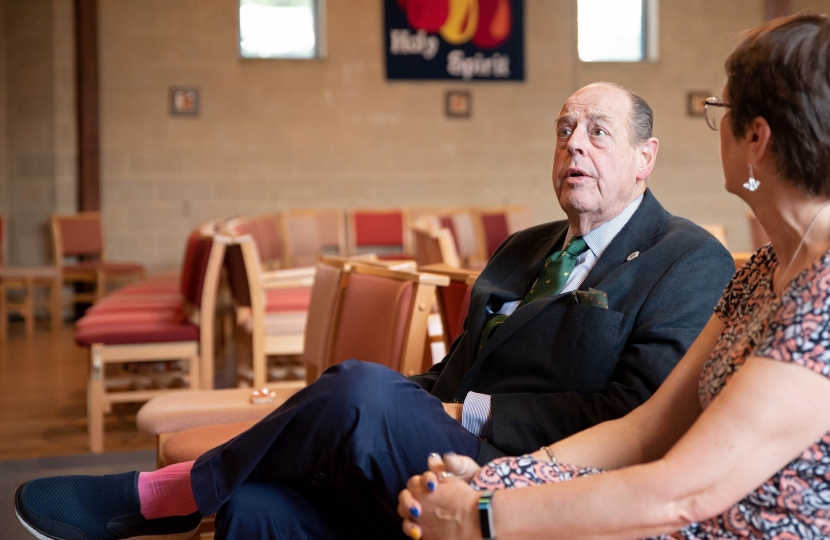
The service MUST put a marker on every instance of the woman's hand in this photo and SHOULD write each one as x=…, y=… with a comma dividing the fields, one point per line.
x=445, y=509
x=452, y=465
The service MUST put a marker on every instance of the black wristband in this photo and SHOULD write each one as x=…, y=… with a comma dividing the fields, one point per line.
x=485, y=515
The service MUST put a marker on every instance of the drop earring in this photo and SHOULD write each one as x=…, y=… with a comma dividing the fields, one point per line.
x=752, y=184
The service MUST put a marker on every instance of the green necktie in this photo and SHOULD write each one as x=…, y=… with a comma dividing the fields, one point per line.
x=551, y=280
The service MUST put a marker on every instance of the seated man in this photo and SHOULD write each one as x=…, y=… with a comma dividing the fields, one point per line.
x=570, y=324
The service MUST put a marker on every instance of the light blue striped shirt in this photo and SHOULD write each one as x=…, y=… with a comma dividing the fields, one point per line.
x=475, y=414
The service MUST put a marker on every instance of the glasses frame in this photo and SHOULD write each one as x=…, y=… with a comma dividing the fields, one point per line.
x=710, y=105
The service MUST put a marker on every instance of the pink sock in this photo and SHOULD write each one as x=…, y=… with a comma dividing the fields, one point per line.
x=166, y=492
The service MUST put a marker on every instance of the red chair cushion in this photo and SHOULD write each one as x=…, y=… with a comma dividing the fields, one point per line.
x=293, y=299
x=136, y=304
x=495, y=231
x=136, y=333
x=379, y=229
x=126, y=317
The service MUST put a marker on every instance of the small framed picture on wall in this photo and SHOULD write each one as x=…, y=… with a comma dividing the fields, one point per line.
x=694, y=102
x=184, y=101
x=458, y=104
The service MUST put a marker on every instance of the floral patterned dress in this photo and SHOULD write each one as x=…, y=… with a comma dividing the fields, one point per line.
x=795, y=502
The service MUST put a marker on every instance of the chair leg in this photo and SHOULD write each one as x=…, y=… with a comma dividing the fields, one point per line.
x=29, y=308
x=4, y=312
x=95, y=399
x=100, y=285
x=55, y=316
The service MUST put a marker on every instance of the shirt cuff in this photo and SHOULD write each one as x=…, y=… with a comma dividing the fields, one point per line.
x=475, y=414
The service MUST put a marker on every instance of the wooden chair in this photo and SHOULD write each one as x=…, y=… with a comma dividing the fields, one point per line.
x=374, y=313
x=381, y=231
x=454, y=299
x=434, y=245
x=271, y=306
x=266, y=234
x=183, y=341
x=308, y=234
x=80, y=236
x=496, y=224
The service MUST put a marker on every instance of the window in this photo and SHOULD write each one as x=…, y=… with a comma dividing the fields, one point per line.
x=281, y=28
x=617, y=30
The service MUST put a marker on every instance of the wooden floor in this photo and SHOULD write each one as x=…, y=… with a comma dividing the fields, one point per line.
x=43, y=398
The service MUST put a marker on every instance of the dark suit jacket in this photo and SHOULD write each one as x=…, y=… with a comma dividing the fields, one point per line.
x=556, y=367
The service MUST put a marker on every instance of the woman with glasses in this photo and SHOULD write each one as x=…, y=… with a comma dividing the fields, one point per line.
x=736, y=443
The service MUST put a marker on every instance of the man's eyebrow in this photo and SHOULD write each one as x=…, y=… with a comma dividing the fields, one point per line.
x=600, y=118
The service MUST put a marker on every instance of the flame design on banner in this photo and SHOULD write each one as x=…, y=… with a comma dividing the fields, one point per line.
x=488, y=23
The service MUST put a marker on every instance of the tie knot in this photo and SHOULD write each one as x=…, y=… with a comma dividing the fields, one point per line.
x=576, y=246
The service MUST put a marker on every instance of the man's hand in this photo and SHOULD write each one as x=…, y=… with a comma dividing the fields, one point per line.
x=454, y=409
x=459, y=466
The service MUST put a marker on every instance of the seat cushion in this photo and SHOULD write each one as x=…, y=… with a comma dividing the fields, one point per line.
x=290, y=299
x=136, y=333
x=191, y=443
x=177, y=411
x=175, y=315
x=136, y=303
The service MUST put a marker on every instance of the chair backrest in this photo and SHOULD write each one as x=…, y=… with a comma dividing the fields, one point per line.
x=383, y=317
x=383, y=231
x=519, y=218
x=308, y=234
x=434, y=245
x=204, y=256
x=76, y=235
x=494, y=229
x=323, y=313
x=454, y=299
x=264, y=231
x=756, y=232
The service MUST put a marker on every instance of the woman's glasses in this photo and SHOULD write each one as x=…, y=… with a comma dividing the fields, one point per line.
x=714, y=109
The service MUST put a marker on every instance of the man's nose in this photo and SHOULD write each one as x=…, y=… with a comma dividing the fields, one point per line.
x=578, y=140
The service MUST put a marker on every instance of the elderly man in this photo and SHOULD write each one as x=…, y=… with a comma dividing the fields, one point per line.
x=570, y=324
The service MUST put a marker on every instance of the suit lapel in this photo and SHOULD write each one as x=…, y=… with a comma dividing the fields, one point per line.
x=493, y=283
x=638, y=235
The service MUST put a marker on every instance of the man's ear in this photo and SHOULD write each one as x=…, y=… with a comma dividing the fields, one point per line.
x=759, y=135
x=647, y=157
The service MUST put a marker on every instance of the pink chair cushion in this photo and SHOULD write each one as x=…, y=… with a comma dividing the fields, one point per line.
x=384, y=302
x=136, y=303
x=191, y=443
x=126, y=317
x=136, y=333
x=378, y=229
x=292, y=299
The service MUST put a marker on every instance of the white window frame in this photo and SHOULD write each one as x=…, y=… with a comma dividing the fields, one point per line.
x=320, y=50
x=650, y=37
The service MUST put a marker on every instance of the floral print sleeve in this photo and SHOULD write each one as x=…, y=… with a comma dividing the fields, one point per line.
x=739, y=287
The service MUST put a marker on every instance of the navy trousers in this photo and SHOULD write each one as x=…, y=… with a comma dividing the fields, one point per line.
x=335, y=455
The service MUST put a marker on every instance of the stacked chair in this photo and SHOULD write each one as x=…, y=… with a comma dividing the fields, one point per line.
x=307, y=234
x=384, y=232
x=150, y=339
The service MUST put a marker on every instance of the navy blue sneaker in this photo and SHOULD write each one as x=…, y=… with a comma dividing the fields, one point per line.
x=93, y=508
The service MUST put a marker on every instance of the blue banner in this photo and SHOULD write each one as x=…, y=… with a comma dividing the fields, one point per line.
x=467, y=40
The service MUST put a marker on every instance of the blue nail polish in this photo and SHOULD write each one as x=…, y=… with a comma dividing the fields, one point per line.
x=414, y=511
x=434, y=455
x=431, y=485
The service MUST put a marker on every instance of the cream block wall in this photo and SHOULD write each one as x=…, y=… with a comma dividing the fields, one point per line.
x=332, y=132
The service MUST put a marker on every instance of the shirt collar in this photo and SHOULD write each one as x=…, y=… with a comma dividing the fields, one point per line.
x=599, y=239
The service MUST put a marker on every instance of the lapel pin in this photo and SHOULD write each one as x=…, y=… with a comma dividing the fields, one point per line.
x=633, y=255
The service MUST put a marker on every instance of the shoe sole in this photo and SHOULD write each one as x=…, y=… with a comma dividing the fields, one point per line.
x=42, y=536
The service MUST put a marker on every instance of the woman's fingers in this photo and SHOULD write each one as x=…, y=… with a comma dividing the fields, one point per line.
x=411, y=529
x=461, y=466
x=429, y=481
